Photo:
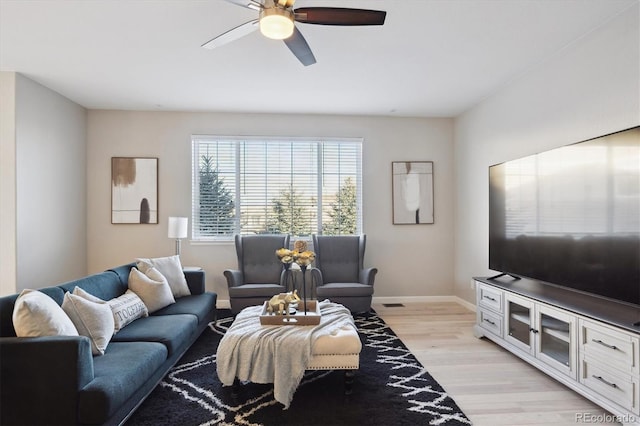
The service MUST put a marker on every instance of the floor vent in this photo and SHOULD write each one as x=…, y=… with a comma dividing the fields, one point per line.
x=393, y=305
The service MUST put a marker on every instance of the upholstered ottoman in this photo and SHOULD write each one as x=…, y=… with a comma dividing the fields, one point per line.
x=339, y=350
x=247, y=352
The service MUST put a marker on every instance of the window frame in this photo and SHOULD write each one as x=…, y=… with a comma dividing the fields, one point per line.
x=197, y=139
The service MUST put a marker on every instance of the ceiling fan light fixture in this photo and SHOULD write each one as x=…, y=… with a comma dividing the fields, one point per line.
x=276, y=23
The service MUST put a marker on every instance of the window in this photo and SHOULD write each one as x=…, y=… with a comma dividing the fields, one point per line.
x=254, y=185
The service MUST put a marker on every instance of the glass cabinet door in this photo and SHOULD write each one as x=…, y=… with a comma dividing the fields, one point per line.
x=518, y=324
x=555, y=332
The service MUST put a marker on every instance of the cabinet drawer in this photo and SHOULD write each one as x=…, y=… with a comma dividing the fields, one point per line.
x=491, y=322
x=490, y=298
x=617, y=349
x=619, y=388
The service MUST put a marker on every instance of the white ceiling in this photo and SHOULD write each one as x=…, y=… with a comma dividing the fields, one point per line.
x=431, y=58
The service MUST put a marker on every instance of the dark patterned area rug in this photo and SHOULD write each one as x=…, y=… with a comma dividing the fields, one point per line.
x=391, y=388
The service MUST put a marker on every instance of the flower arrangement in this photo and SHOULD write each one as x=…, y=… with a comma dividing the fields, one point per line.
x=305, y=258
x=285, y=255
x=302, y=257
x=300, y=246
x=299, y=255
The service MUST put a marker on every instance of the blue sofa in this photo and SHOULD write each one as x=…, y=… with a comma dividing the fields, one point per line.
x=56, y=380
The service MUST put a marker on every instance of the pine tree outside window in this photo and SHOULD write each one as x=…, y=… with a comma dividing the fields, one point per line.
x=257, y=185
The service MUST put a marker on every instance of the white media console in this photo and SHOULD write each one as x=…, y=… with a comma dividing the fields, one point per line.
x=588, y=343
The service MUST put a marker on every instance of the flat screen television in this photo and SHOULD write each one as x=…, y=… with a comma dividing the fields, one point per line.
x=571, y=216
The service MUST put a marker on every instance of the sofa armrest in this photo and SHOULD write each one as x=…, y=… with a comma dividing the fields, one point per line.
x=234, y=277
x=368, y=276
x=40, y=378
x=195, y=281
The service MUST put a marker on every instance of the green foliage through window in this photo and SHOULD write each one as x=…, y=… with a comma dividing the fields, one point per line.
x=216, y=208
x=343, y=211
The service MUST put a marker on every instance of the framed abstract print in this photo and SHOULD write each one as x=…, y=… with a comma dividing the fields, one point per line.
x=412, y=186
x=134, y=190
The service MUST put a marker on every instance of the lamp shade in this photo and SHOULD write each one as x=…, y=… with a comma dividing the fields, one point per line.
x=178, y=227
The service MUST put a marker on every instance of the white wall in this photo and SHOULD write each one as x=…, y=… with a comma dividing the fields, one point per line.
x=589, y=89
x=50, y=133
x=412, y=260
x=7, y=183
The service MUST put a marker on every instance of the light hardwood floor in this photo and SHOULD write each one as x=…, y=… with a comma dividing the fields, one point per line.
x=491, y=386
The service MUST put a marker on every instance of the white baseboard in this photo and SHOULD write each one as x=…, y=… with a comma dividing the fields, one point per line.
x=409, y=299
x=466, y=304
x=224, y=304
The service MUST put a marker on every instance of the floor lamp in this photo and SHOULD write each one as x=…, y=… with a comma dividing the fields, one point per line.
x=178, y=230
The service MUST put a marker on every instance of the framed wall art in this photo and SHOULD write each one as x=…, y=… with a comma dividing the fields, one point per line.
x=412, y=186
x=134, y=190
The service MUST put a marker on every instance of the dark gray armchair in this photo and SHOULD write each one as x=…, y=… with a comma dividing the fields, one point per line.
x=339, y=273
x=259, y=274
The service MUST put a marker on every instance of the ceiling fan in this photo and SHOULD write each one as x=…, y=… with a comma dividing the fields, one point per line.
x=277, y=17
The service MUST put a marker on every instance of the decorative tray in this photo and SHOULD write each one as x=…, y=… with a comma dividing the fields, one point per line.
x=298, y=318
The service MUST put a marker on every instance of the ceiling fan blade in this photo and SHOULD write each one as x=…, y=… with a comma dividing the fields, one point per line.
x=339, y=16
x=299, y=46
x=232, y=34
x=249, y=4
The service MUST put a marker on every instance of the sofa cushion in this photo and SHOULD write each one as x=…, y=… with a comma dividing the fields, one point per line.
x=56, y=293
x=174, y=331
x=200, y=305
x=117, y=375
x=105, y=285
x=122, y=272
x=152, y=287
x=36, y=315
x=94, y=320
x=6, y=314
x=171, y=268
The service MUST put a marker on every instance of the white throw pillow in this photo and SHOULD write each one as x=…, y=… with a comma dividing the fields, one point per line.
x=152, y=287
x=35, y=315
x=90, y=297
x=94, y=320
x=171, y=268
x=126, y=309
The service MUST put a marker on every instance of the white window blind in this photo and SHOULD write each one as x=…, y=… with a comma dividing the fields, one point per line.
x=254, y=185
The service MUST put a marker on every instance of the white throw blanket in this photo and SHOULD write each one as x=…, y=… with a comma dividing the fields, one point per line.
x=277, y=354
